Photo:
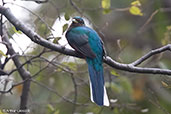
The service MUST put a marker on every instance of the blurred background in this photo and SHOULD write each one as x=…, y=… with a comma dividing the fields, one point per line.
x=60, y=83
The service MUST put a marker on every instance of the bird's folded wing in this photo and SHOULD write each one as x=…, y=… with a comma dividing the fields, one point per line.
x=80, y=43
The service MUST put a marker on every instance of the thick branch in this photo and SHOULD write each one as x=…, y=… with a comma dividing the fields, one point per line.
x=45, y=43
x=3, y=72
x=23, y=73
x=131, y=68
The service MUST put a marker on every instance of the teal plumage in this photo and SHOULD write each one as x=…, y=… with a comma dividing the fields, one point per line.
x=87, y=42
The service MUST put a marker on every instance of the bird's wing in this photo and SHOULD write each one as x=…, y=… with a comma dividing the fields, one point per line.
x=79, y=41
x=104, y=50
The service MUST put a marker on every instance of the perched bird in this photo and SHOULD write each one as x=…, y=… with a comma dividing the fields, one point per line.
x=87, y=42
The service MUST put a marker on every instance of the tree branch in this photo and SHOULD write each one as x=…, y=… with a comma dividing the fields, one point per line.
x=75, y=7
x=3, y=72
x=132, y=67
x=23, y=73
x=151, y=53
x=52, y=90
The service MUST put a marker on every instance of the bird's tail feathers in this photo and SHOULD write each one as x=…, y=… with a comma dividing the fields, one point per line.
x=97, y=88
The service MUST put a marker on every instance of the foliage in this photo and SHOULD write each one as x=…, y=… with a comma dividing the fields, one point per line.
x=134, y=9
x=106, y=6
x=2, y=53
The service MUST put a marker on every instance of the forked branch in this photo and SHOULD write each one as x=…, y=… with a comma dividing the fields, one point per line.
x=132, y=67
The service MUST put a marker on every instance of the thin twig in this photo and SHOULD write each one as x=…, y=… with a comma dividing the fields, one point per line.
x=148, y=21
x=75, y=98
x=151, y=53
x=52, y=90
x=40, y=18
x=75, y=7
x=155, y=102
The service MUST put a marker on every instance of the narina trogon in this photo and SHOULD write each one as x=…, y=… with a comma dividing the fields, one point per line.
x=87, y=42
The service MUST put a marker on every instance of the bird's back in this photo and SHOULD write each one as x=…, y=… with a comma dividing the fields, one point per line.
x=82, y=34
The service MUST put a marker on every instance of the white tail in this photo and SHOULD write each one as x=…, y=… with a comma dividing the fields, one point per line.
x=105, y=97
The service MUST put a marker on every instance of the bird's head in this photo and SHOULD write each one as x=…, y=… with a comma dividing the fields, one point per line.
x=77, y=21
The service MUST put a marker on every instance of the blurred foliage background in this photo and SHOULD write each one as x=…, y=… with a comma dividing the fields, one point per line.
x=60, y=83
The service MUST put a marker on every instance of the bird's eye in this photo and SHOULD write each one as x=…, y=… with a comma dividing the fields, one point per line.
x=74, y=20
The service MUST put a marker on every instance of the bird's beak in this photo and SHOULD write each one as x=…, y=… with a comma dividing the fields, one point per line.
x=74, y=21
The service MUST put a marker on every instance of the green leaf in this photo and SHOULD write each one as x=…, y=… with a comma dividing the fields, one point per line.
x=121, y=43
x=169, y=28
x=65, y=28
x=105, y=4
x=12, y=30
x=106, y=11
x=3, y=112
x=42, y=29
x=116, y=111
x=58, y=70
x=2, y=53
x=56, y=40
x=56, y=112
x=50, y=107
x=71, y=65
x=134, y=10
x=167, y=36
x=164, y=84
x=67, y=17
x=113, y=72
x=136, y=3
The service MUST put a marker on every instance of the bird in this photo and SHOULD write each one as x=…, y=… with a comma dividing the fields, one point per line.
x=88, y=43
